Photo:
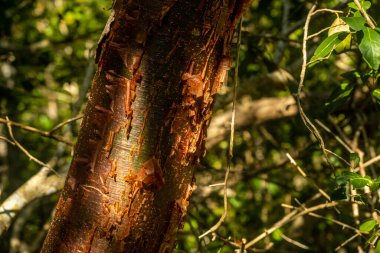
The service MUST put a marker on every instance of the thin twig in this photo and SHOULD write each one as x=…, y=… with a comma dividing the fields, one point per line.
x=347, y=241
x=335, y=136
x=242, y=248
x=35, y=130
x=299, y=23
x=292, y=161
x=326, y=10
x=294, y=242
x=299, y=169
x=372, y=161
x=317, y=33
x=309, y=125
x=338, y=156
x=286, y=219
x=64, y=123
x=365, y=15
x=217, y=184
x=230, y=150
x=344, y=225
x=23, y=149
x=7, y=140
x=323, y=30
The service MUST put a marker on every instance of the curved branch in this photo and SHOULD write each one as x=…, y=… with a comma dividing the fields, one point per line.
x=40, y=185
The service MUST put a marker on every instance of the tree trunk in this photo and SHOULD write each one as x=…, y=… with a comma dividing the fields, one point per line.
x=160, y=64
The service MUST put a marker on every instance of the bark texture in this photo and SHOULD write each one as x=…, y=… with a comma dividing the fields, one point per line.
x=160, y=63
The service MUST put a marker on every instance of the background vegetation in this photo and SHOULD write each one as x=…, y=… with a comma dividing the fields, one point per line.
x=279, y=170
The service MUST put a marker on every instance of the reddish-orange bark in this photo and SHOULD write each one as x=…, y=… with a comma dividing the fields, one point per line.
x=159, y=68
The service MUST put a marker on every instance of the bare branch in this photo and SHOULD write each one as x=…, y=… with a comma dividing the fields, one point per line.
x=26, y=152
x=35, y=130
x=294, y=242
x=231, y=146
x=36, y=187
x=365, y=15
x=63, y=124
x=288, y=218
x=309, y=125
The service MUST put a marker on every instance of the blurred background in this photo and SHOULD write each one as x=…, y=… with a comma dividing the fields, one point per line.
x=46, y=68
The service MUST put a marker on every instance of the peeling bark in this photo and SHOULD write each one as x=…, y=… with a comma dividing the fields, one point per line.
x=160, y=64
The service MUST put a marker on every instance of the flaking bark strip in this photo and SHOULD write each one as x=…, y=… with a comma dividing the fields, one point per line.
x=159, y=67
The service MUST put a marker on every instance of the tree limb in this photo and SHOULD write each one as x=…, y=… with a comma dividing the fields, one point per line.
x=41, y=184
x=251, y=113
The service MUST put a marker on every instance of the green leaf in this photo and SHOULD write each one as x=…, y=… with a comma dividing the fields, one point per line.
x=354, y=157
x=276, y=235
x=352, y=75
x=355, y=23
x=351, y=175
x=340, y=95
x=338, y=26
x=342, y=180
x=366, y=5
x=360, y=182
x=357, y=181
x=357, y=14
x=368, y=225
x=326, y=47
x=376, y=95
x=377, y=180
x=339, y=193
x=377, y=249
x=345, y=177
x=344, y=45
x=370, y=47
x=374, y=186
x=360, y=198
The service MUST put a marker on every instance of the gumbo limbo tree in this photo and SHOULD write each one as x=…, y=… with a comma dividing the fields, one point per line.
x=160, y=64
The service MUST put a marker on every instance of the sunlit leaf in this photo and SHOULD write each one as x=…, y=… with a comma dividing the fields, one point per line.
x=356, y=180
x=366, y=5
x=368, y=225
x=351, y=175
x=338, y=26
x=360, y=182
x=377, y=249
x=326, y=47
x=376, y=95
x=370, y=47
x=276, y=235
x=357, y=14
x=345, y=177
x=355, y=23
x=374, y=186
x=352, y=75
x=344, y=45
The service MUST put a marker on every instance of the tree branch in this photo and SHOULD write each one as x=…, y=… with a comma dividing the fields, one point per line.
x=38, y=186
